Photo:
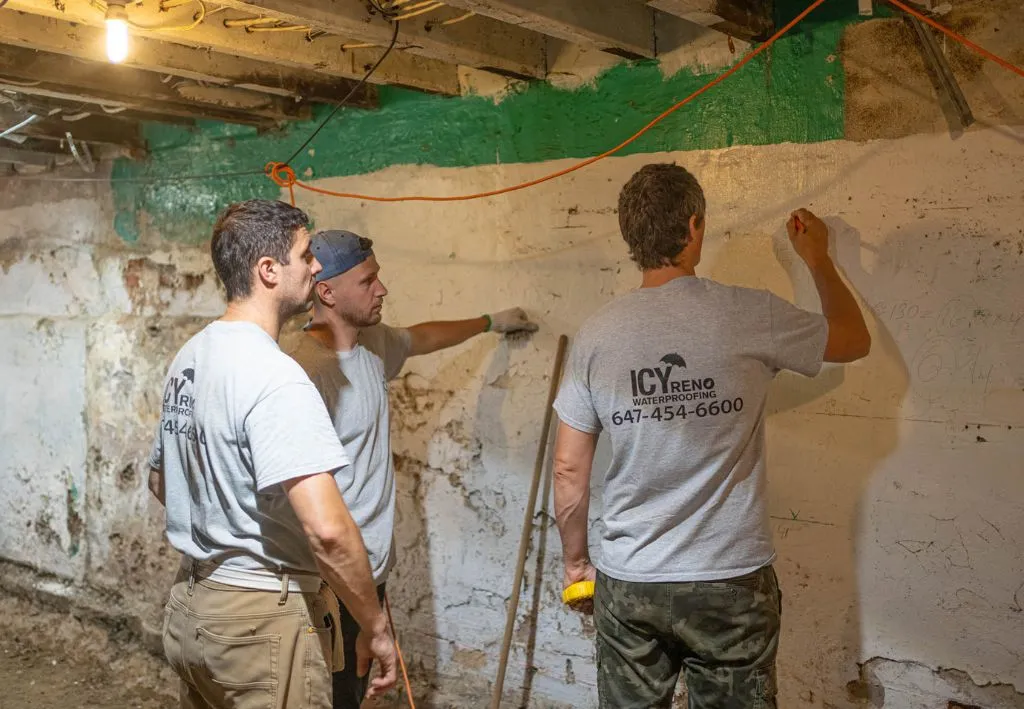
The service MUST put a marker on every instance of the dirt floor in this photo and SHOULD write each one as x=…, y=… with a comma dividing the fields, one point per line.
x=51, y=660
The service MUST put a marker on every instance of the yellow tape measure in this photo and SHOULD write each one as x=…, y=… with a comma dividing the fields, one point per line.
x=579, y=591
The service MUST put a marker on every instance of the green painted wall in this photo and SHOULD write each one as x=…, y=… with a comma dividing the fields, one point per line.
x=791, y=93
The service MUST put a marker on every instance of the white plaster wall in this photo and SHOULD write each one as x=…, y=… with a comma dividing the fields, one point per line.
x=899, y=530
x=896, y=482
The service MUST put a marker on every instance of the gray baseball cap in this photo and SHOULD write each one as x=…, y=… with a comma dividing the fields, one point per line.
x=338, y=251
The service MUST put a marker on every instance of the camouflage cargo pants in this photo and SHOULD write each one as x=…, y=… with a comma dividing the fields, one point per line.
x=723, y=634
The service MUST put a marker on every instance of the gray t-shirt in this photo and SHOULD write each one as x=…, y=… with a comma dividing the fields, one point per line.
x=239, y=417
x=678, y=376
x=354, y=385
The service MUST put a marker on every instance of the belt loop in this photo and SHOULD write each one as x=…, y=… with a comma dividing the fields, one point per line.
x=191, y=576
x=284, y=589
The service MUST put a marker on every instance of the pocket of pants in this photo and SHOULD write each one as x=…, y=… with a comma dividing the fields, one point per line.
x=241, y=663
x=754, y=581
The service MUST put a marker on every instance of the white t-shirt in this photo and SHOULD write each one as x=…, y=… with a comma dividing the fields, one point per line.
x=678, y=376
x=239, y=418
x=354, y=385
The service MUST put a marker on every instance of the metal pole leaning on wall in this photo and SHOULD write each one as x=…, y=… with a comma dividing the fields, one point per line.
x=524, y=540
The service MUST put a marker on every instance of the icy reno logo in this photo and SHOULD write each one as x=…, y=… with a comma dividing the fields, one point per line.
x=655, y=385
x=177, y=401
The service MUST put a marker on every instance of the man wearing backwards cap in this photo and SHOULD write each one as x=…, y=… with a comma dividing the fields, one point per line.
x=350, y=356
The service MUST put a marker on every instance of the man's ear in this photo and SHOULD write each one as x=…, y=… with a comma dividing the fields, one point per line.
x=696, y=224
x=324, y=293
x=268, y=271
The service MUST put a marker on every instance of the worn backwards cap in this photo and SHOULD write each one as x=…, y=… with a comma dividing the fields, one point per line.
x=338, y=251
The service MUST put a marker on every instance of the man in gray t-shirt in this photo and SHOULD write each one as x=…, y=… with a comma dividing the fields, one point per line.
x=350, y=356
x=243, y=460
x=677, y=373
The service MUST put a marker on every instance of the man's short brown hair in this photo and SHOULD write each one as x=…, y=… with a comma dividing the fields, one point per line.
x=655, y=207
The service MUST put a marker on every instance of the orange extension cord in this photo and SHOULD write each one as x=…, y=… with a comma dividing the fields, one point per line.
x=284, y=176
x=398, y=652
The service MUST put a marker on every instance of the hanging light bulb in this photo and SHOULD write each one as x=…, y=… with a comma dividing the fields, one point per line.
x=117, y=31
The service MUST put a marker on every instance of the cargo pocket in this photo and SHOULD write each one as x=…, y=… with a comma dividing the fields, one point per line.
x=171, y=637
x=243, y=669
x=318, y=669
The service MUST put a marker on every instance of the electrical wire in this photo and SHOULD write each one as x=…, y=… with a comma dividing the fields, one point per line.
x=281, y=28
x=429, y=8
x=15, y=82
x=384, y=12
x=349, y=95
x=248, y=22
x=456, y=20
x=219, y=175
x=417, y=5
x=398, y=653
x=197, y=18
x=284, y=176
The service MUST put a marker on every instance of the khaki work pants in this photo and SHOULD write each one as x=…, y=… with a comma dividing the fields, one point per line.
x=236, y=648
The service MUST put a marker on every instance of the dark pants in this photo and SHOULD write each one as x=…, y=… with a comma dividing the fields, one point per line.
x=723, y=634
x=349, y=687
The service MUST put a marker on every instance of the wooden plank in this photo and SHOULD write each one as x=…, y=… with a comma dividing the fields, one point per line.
x=45, y=74
x=22, y=29
x=617, y=26
x=479, y=42
x=292, y=49
x=750, y=20
x=22, y=156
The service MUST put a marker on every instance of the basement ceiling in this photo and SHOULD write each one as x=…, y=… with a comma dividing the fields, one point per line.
x=266, y=62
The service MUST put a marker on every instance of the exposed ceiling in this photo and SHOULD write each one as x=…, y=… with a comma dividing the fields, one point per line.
x=265, y=62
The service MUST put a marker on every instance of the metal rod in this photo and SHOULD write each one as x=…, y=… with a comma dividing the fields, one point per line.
x=15, y=128
x=524, y=540
x=942, y=75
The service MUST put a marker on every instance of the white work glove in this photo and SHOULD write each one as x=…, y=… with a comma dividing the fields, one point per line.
x=511, y=320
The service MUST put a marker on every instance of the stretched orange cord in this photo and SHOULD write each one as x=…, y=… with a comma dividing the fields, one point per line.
x=398, y=648
x=284, y=176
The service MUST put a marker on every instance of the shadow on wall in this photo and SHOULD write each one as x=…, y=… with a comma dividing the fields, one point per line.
x=940, y=525
x=438, y=458
x=820, y=462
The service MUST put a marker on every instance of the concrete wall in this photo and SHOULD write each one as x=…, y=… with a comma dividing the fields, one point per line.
x=896, y=483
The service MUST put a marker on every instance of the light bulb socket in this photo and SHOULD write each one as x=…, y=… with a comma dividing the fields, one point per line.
x=117, y=10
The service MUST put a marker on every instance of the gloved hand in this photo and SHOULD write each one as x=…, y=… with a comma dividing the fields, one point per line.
x=512, y=320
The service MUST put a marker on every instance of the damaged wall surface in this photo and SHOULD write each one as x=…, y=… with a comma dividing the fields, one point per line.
x=895, y=482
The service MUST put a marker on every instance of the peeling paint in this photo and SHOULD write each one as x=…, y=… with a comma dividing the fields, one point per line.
x=886, y=683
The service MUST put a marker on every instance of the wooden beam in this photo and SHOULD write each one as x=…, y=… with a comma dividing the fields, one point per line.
x=45, y=74
x=22, y=156
x=617, y=26
x=477, y=42
x=109, y=130
x=71, y=94
x=326, y=54
x=22, y=29
x=750, y=20
x=43, y=105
